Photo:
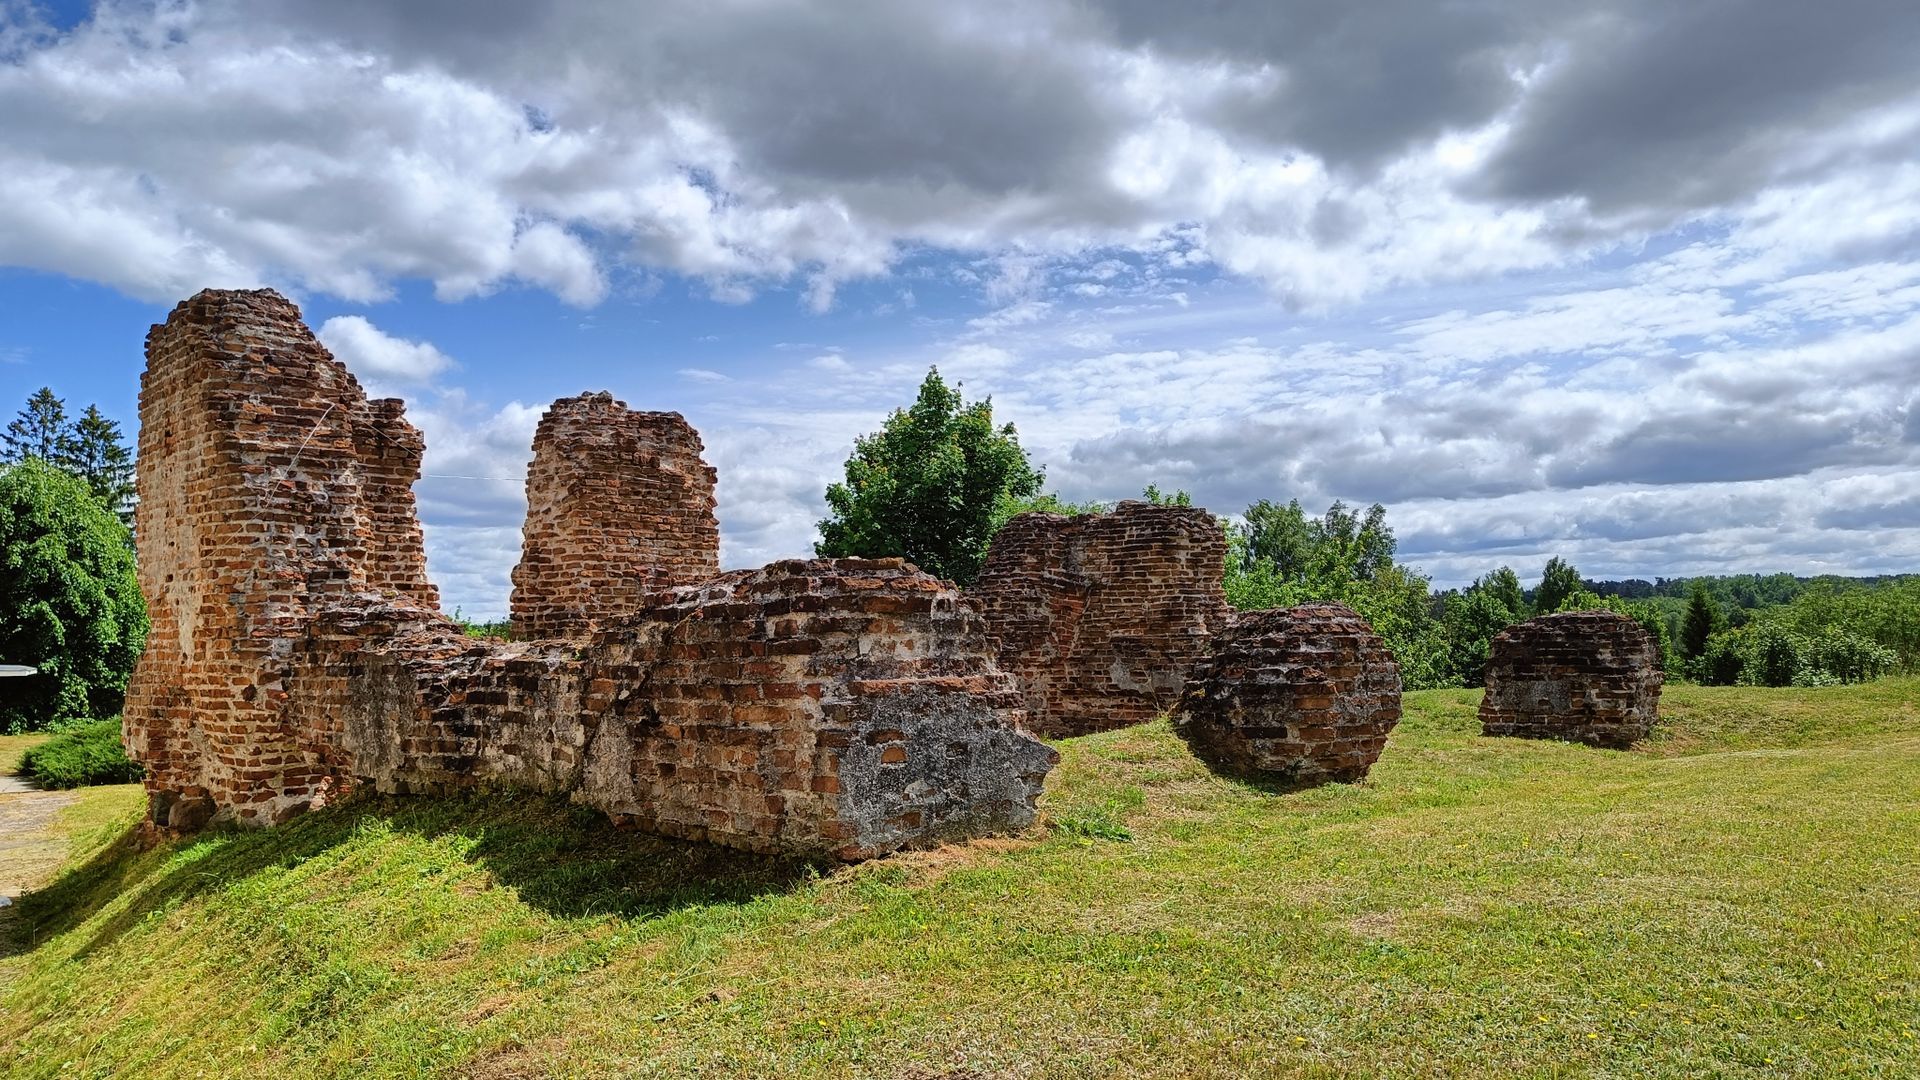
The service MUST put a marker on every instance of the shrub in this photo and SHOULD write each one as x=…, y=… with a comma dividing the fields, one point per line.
x=69, y=599
x=82, y=755
x=1772, y=653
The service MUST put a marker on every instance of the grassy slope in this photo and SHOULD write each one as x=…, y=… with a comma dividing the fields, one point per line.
x=1742, y=897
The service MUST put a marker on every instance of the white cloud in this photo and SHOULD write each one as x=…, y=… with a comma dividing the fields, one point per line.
x=378, y=358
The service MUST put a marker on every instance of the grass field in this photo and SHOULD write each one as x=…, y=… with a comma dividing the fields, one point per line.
x=1739, y=898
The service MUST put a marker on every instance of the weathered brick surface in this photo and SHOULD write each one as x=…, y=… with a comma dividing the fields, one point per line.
x=269, y=485
x=1102, y=617
x=1297, y=696
x=1585, y=676
x=619, y=506
x=845, y=707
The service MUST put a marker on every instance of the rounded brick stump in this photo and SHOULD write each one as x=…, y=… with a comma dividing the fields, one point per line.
x=1295, y=696
x=1584, y=676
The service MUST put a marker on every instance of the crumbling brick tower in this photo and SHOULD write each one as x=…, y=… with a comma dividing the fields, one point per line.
x=619, y=505
x=1102, y=617
x=1585, y=676
x=1294, y=696
x=269, y=486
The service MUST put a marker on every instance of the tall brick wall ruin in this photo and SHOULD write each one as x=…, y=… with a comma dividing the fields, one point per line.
x=1295, y=696
x=1585, y=676
x=619, y=506
x=1102, y=617
x=269, y=486
x=842, y=707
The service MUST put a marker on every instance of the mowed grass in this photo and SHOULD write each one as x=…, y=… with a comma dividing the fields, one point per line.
x=1739, y=898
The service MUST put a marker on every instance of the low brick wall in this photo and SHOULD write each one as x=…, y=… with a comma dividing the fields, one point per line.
x=1102, y=617
x=1294, y=696
x=841, y=707
x=1585, y=676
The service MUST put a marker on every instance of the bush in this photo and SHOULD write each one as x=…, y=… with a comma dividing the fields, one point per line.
x=80, y=756
x=69, y=600
x=1771, y=653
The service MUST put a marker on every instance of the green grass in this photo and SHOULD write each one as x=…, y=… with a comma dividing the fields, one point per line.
x=1740, y=898
x=81, y=756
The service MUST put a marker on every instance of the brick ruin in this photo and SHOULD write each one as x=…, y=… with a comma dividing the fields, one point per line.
x=619, y=505
x=1295, y=696
x=1101, y=617
x=842, y=707
x=268, y=484
x=1584, y=676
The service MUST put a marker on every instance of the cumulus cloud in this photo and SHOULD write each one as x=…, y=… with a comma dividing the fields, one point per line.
x=1329, y=152
x=379, y=358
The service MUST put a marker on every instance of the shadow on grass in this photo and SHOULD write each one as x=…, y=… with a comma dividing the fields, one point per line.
x=567, y=861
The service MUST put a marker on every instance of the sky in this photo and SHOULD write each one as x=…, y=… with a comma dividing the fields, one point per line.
x=1630, y=282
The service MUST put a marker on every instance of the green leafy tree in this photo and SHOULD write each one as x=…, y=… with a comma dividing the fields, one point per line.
x=1470, y=619
x=1702, y=619
x=1503, y=585
x=1280, y=557
x=1279, y=535
x=69, y=600
x=927, y=486
x=1559, y=583
x=40, y=431
x=97, y=454
x=1155, y=496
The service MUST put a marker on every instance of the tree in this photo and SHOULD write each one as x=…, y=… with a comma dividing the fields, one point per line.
x=926, y=486
x=1470, y=619
x=1280, y=557
x=1702, y=619
x=1504, y=586
x=1280, y=535
x=69, y=600
x=40, y=431
x=1156, y=497
x=1559, y=583
x=97, y=455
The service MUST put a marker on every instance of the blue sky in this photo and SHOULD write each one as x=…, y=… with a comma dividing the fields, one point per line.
x=1630, y=283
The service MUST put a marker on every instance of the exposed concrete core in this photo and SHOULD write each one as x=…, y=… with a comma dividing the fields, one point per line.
x=841, y=707
x=269, y=486
x=1296, y=696
x=1102, y=617
x=619, y=506
x=1585, y=676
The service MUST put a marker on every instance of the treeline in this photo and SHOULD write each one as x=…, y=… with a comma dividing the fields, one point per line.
x=936, y=482
x=89, y=447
